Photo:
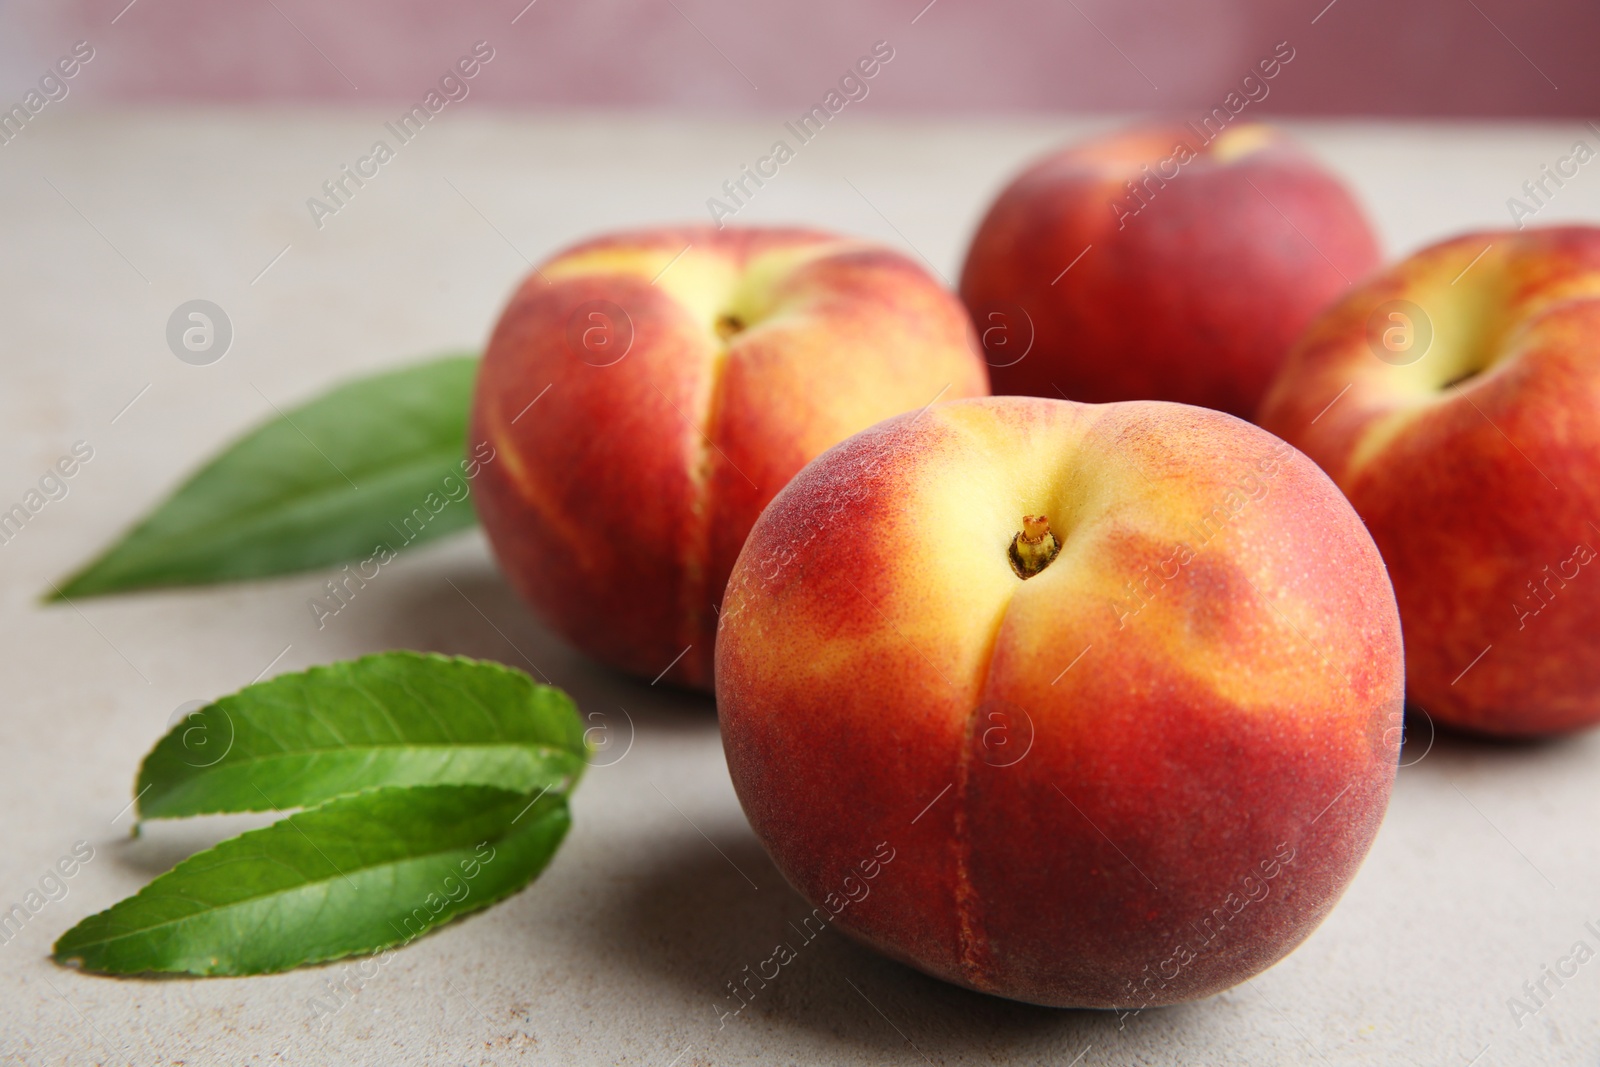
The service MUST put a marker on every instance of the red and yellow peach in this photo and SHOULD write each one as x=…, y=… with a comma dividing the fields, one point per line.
x=1156, y=264
x=647, y=393
x=1120, y=686
x=1453, y=398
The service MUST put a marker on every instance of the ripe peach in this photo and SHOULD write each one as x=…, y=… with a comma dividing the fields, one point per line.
x=1138, y=775
x=1453, y=398
x=647, y=393
x=1154, y=264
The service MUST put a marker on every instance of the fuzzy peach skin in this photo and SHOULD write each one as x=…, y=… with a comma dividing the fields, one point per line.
x=647, y=393
x=1139, y=776
x=1475, y=461
x=1188, y=284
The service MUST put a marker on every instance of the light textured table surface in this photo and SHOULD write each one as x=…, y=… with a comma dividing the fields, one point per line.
x=1486, y=868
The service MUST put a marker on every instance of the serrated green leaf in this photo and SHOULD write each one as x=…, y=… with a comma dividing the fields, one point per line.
x=399, y=718
x=325, y=482
x=358, y=874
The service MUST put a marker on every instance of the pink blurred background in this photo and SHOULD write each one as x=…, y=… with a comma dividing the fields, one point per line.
x=1353, y=57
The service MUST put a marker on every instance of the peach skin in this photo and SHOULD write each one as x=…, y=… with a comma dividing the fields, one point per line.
x=1453, y=399
x=1118, y=687
x=647, y=393
x=1152, y=264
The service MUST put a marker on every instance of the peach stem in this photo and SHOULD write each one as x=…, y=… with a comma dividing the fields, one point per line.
x=1033, y=549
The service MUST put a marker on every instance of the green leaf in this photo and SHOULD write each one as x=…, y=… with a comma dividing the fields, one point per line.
x=358, y=874
x=399, y=718
x=322, y=483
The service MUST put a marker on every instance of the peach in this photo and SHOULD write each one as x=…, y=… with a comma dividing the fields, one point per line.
x=1157, y=264
x=647, y=393
x=1116, y=689
x=1453, y=398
